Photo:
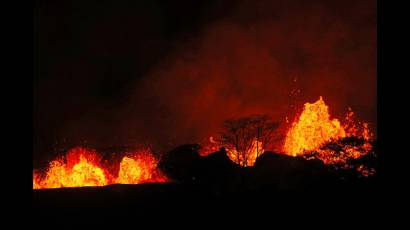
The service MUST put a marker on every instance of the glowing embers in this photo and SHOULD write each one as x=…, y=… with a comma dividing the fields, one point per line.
x=81, y=167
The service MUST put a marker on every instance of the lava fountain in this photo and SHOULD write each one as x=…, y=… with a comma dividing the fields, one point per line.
x=81, y=167
x=315, y=135
x=139, y=167
x=313, y=128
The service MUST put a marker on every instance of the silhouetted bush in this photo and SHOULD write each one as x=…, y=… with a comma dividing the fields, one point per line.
x=182, y=163
x=271, y=172
x=283, y=172
x=215, y=171
x=219, y=172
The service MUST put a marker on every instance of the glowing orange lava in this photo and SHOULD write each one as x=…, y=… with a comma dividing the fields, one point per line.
x=140, y=168
x=315, y=135
x=81, y=167
x=313, y=128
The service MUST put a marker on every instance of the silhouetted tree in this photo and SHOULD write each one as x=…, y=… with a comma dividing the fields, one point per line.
x=353, y=153
x=240, y=135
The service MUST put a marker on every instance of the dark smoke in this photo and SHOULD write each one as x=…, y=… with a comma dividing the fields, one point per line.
x=245, y=60
x=249, y=62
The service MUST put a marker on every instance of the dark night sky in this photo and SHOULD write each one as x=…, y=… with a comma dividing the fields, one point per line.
x=166, y=73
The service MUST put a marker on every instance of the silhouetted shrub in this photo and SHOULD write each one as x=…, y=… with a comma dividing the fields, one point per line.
x=182, y=163
x=283, y=172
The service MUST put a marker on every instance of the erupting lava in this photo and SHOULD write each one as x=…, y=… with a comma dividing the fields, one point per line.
x=315, y=135
x=313, y=128
x=140, y=168
x=80, y=167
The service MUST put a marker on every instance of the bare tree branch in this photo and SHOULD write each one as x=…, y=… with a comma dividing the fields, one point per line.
x=247, y=136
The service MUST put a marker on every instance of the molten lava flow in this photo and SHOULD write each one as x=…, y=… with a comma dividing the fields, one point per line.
x=80, y=167
x=140, y=168
x=313, y=128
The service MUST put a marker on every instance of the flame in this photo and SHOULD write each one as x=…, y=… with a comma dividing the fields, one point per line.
x=80, y=167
